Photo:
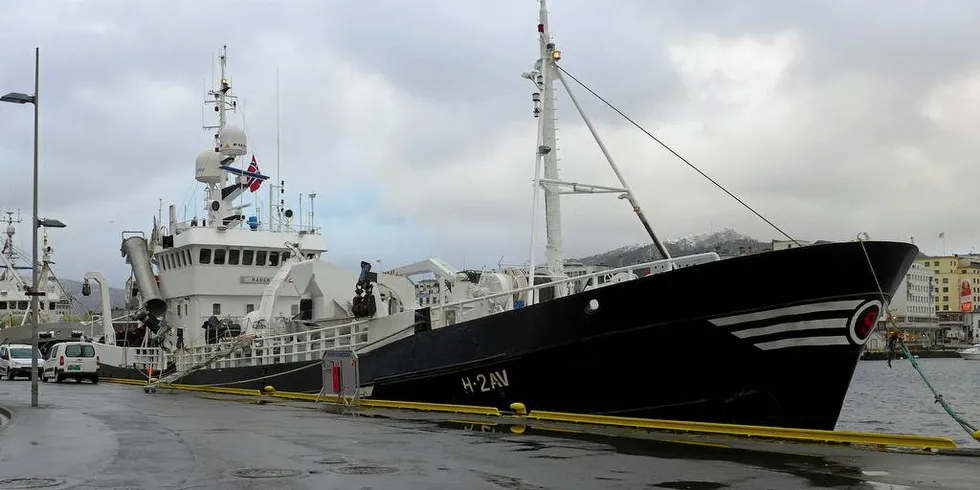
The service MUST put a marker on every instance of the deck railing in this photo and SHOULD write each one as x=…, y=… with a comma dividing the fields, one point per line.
x=472, y=308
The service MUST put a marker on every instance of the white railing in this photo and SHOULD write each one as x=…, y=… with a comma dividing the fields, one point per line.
x=472, y=308
x=310, y=345
x=141, y=357
x=182, y=226
x=283, y=348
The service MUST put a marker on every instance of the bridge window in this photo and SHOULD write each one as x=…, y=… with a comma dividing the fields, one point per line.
x=233, y=256
x=219, y=256
x=205, y=257
x=52, y=305
x=249, y=308
x=285, y=256
x=22, y=305
x=247, y=257
x=187, y=257
x=3, y=305
x=260, y=257
x=216, y=309
x=274, y=259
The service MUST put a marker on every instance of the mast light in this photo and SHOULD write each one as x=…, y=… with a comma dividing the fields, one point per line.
x=556, y=55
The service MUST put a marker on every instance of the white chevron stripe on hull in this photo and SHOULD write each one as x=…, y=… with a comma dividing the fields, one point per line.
x=803, y=342
x=840, y=323
x=788, y=310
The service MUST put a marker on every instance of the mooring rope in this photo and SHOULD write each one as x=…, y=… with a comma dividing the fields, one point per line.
x=965, y=425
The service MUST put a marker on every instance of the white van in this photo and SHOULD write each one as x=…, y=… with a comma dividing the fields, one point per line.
x=71, y=360
x=15, y=360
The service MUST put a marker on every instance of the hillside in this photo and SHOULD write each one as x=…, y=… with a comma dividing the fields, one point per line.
x=725, y=243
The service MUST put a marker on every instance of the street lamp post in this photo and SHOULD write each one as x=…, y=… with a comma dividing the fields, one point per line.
x=18, y=98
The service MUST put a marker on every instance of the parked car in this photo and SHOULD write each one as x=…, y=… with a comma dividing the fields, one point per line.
x=76, y=360
x=15, y=360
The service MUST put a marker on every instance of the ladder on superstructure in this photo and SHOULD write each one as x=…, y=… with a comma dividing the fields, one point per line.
x=235, y=344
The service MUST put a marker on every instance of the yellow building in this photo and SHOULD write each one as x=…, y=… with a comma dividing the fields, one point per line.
x=957, y=281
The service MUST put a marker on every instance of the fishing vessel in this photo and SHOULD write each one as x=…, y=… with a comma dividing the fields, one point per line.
x=237, y=301
x=54, y=306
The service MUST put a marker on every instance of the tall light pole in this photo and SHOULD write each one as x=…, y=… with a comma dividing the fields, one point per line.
x=18, y=98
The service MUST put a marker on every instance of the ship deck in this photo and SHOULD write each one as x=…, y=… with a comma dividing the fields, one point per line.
x=116, y=436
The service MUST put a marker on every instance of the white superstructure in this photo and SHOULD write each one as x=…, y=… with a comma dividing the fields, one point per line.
x=53, y=307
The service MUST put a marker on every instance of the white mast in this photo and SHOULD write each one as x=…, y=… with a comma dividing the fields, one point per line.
x=544, y=102
x=548, y=149
x=213, y=168
x=274, y=186
x=543, y=75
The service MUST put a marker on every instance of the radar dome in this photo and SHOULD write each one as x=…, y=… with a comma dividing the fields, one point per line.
x=231, y=142
x=208, y=167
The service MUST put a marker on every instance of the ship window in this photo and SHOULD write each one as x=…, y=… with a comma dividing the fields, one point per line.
x=22, y=305
x=285, y=256
x=249, y=308
x=205, y=256
x=216, y=309
x=187, y=257
x=293, y=310
x=247, y=257
x=233, y=256
x=40, y=304
x=52, y=305
x=179, y=258
x=260, y=257
x=3, y=305
x=273, y=258
x=219, y=256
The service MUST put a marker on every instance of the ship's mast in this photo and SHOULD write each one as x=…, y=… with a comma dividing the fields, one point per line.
x=229, y=144
x=546, y=154
x=543, y=75
x=548, y=149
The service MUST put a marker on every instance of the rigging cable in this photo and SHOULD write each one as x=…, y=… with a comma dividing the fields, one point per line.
x=965, y=425
x=668, y=148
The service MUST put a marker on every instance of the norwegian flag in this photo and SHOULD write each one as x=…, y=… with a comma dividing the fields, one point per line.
x=253, y=183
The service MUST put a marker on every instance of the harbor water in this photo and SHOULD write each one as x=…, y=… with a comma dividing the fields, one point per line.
x=896, y=400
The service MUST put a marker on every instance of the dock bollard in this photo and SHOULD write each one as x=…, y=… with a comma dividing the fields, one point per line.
x=265, y=394
x=520, y=411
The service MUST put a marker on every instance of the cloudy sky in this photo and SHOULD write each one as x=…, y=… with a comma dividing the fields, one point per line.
x=411, y=123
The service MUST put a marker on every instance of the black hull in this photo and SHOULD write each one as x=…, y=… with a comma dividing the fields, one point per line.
x=733, y=341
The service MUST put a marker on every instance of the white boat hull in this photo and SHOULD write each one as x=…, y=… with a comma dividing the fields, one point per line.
x=971, y=356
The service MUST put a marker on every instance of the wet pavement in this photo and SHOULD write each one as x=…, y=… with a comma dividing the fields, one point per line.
x=109, y=436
